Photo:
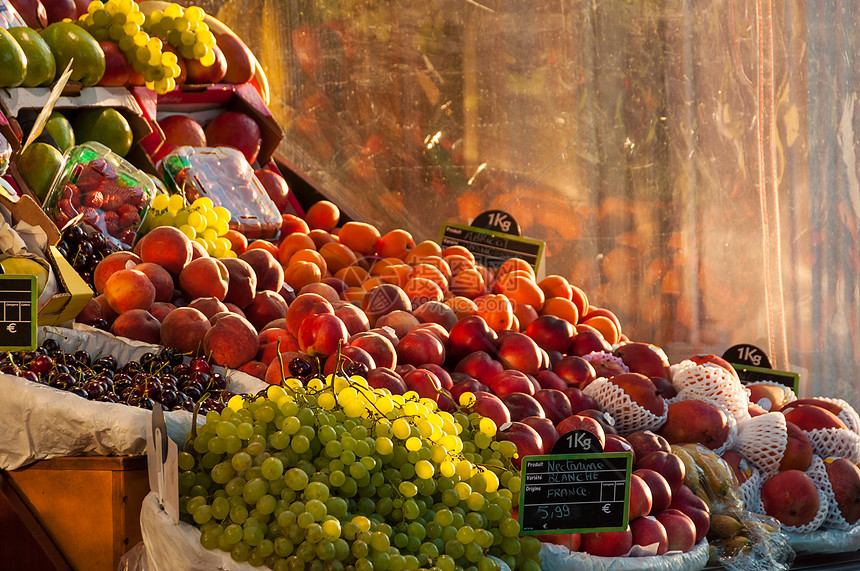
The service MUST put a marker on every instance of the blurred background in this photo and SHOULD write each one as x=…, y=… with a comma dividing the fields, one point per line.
x=691, y=165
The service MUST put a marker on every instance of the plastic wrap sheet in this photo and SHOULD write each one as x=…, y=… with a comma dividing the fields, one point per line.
x=41, y=422
x=826, y=541
x=560, y=558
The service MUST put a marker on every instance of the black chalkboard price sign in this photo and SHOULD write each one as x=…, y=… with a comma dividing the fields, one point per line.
x=18, y=312
x=575, y=493
x=491, y=248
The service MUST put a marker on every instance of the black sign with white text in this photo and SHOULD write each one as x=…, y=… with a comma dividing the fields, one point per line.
x=18, y=312
x=492, y=248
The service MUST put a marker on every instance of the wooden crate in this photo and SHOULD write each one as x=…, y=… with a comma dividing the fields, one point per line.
x=88, y=507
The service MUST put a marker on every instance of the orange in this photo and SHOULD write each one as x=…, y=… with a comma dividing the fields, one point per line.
x=468, y=283
x=322, y=215
x=312, y=256
x=264, y=245
x=353, y=276
x=497, y=310
x=301, y=273
x=460, y=251
x=462, y=306
x=555, y=285
x=422, y=249
x=360, y=236
x=396, y=274
x=562, y=308
x=395, y=244
x=291, y=244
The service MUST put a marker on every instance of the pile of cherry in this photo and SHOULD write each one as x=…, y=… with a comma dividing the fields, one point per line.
x=162, y=377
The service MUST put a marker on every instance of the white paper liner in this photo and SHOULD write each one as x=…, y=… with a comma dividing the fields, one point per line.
x=834, y=519
x=560, y=558
x=789, y=395
x=762, y=440
x=711, y=383
x=836, y=443
x=848, y=415
x=815, y=471
x=41, y=422
x=629, y=416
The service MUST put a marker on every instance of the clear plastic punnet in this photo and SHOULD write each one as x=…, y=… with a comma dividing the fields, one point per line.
x=223, y=175
x=101, y=189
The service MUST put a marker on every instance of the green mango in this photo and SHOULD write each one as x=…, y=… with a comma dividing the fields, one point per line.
x=61, y=131
x=69, y=41
x=13, y=61
x=41, y=67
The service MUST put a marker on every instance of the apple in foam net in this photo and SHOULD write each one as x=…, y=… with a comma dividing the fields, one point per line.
x=641, y=390
x=798, y=449
x=811, y=417
x=844, y=478
x=696, y=421
x=791, y=497
x=643, y=358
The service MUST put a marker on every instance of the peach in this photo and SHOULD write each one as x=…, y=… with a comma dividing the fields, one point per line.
x=231, y=341
x=276, y=324
x=233, y=308
x=383, y=299
x=337, y=256
x=305, y=305
x=183, y=329
x=198, y=249
x=300, y=273
x=204, y=277
x=270, y=273
x=110, y=264
x=266, y=307
x=352, y=316
x=436, y=312
x=322, y=334
x=166, y=246
x=137, y=324
x=380, y=348
x=129, y=289
x=255, y=369
x=274, y=341
x=400, y=321
x=241, y=282
x=160, y=309
x=160, y=278
x=323, y=289
x=208, y=306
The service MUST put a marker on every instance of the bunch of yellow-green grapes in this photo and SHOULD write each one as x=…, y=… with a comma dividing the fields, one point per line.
x=185, y=30
x=201, y=221
x=329, y=473
x=122, y=22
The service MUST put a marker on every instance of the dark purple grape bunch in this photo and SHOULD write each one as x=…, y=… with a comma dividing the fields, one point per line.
x=85, y=250
x=161, y=377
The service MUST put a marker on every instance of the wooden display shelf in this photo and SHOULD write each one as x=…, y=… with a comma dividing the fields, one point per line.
x=71, y=513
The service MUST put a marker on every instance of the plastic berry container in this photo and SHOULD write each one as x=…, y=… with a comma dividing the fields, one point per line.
x=223, y=175
x=102, y=190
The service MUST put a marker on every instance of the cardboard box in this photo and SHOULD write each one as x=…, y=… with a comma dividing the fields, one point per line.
x=74, y=293
x=21, y=106
x=88, y=506
x=204, y=102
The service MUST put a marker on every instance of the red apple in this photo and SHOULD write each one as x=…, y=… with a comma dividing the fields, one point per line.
x=575, y=370
x=469, y=385
x=182, y=130
x=549, y=380
x=419, y=347
x=471, y=334
x=522, y=405
x=587, y=341
x=661, y=493
x=526, y=438
x=739, y=465
x=546, y=428
x=648, y=531
x=442, y=374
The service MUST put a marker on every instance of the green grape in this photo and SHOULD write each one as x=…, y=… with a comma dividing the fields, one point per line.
x=296, y=479
x=184, y=460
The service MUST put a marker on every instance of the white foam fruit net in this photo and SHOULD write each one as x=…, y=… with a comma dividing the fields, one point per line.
x=629, y=415
x=815, y=472
x=834, y=519
x=836, y=443
x=750, y=488
x=848, y=415
x=711, y=383
x=762, y=440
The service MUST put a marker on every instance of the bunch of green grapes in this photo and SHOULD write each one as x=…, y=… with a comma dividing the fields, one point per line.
x=337, y=475
x=201, y=221
x=185, y=30
x=122, y=22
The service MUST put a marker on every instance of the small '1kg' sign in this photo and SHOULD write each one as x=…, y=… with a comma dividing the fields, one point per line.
x=575, y=493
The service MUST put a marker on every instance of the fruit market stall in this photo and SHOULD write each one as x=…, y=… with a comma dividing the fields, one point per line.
x=339, y=388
